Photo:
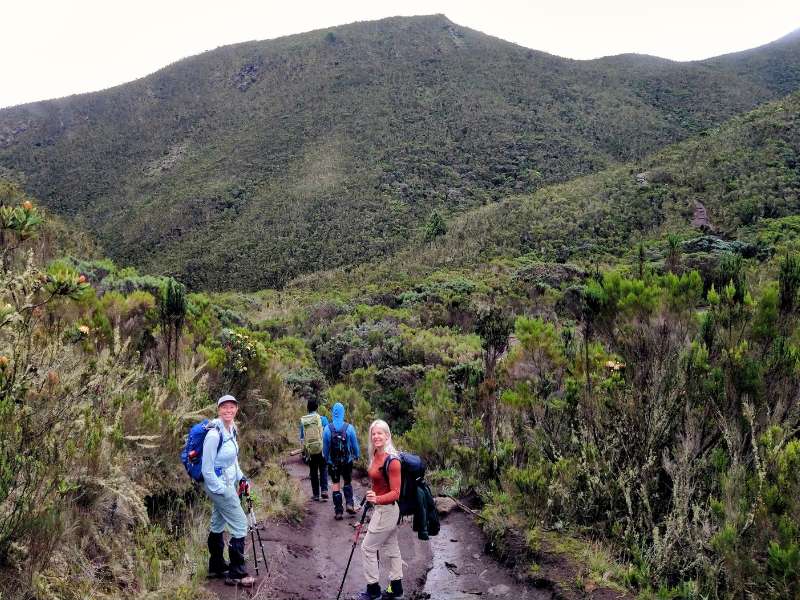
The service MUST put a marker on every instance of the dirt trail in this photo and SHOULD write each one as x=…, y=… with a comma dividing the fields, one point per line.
x=461, y=570
x=306, y=560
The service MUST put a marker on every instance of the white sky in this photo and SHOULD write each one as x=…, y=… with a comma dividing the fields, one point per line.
x=53, y=48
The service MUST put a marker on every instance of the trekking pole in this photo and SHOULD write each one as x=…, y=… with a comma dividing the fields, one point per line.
x=255, y=532
x=366, y=506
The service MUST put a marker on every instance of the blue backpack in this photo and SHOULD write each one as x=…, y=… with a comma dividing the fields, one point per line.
x=192, y=454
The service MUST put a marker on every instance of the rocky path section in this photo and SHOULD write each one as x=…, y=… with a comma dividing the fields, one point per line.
x=307, y=560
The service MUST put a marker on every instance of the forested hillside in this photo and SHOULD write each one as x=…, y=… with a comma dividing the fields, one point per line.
x=250, y=164
x=742, y=177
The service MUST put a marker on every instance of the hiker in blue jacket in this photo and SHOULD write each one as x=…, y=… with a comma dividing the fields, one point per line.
x=318, y=471
x=340, y=449
x=224, y=483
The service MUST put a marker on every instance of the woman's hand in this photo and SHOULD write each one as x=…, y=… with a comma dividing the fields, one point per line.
x=371, y=496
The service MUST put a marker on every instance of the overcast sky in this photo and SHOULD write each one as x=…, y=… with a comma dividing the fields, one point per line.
x=53, y=48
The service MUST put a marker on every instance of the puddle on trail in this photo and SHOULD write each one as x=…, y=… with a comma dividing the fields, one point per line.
x=461, y=571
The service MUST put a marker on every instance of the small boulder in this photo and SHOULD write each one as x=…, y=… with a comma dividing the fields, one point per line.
x=500, y=589
x=444, y=505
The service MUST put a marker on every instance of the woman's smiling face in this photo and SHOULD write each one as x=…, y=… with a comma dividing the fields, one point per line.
x=227, y=411
x=378, y=437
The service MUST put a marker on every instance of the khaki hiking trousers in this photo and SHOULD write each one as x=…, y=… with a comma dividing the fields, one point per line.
x=382, y=536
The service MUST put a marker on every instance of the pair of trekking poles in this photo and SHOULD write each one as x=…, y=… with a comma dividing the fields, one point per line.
x=359, y=527
x=255, y=532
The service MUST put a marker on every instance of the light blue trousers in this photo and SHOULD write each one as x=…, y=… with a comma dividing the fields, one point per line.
x=227, y=512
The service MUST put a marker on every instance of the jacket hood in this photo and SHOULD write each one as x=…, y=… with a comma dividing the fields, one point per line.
x=338, y=415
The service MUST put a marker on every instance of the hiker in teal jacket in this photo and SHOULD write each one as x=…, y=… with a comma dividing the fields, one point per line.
x=224, y=481
x=340, y=449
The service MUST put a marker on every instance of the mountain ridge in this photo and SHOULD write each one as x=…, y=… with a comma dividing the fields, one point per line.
x=742, y=173
x=789, y=37
x=256, y=162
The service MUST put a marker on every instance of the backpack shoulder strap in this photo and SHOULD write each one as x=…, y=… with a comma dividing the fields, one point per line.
x=385, y=468
x=218, y=428
x=235, y=436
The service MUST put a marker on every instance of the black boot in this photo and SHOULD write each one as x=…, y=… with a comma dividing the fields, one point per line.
x=373, y=592
x=217, y=567
x=337, y=506
x=348, y=499
x=237, y=574
x=394, y=591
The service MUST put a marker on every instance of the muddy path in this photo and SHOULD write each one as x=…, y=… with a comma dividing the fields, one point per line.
x=307, y=559
x=461, y=571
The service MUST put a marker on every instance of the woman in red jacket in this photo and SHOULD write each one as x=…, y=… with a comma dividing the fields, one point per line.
x=384, y=473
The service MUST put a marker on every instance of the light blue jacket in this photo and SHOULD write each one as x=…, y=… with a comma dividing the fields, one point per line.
x=221, y=469
x=337, y=417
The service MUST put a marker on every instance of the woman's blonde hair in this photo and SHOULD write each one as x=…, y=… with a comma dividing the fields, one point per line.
x=389, y=446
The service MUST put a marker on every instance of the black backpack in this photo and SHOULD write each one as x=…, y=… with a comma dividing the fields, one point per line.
x=415, y=496
x=338, y=450
x=412, y=472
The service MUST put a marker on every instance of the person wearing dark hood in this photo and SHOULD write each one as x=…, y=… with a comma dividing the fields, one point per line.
x=224, y=483
x=340, y=449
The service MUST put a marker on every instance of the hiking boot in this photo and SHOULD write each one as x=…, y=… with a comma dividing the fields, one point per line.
x=237, y=574
x=373, y=592
x=394, y=591
x=246, y=581
x=337, y=504
x=217, y=567
x=348, y=499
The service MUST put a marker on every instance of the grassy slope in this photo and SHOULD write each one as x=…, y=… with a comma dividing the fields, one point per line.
x=746, y=173
x=247, y=165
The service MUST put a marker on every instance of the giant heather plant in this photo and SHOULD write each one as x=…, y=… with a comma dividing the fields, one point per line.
x=685, y=435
